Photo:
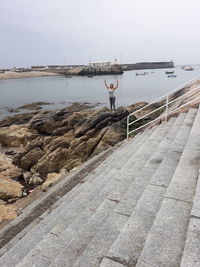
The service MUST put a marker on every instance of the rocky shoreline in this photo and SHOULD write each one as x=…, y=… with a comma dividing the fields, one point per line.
x=40, y=147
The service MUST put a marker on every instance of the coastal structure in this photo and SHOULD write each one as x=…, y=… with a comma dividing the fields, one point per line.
x=148, y=65
x=100, y=64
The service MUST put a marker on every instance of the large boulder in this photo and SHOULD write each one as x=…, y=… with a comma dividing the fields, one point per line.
x=15, y=135
x=7, y=169
x=9, y=189
x=51, y=162
x=52, y=178
x=31, y=158
x=114, y=134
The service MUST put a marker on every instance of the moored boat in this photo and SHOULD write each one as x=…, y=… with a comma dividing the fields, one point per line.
x=188, y=68
x=172, y=76
x=169, y=72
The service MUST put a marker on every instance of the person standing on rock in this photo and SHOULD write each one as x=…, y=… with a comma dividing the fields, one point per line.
x=111, y=88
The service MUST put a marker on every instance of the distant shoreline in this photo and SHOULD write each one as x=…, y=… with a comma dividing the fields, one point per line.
x=30, y=74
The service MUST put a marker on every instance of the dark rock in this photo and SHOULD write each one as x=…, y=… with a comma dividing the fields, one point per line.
x=31, y=158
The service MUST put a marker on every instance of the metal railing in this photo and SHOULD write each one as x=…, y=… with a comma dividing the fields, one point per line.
x=164, y=107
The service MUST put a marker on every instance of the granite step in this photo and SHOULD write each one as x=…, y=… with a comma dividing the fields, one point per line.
x=129, y=244
x=102, y=241
x=165, y=243
x=113, y=183
x=46, y=225
x=98, y=170
x=191, y=254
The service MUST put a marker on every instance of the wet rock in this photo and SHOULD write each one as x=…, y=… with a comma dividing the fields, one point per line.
x=17, y=119
x=9, y=189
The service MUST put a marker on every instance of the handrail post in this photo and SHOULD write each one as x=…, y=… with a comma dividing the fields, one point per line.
x=127, y=127
x=167, y=107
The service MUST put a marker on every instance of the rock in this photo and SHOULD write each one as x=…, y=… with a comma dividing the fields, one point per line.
x=14, y=136
x=17, y=119
x=31, y=158
x=9, y=188
x=114, y=134
x=51, y=162
x=7, y=212
x=37, y=143
x=27, y=176
x=72, y=163
x=7, y=169
x=61, y=130
x=102, y=146
x=59, y=142
x=34, y=106
x=51, y=178
x=35, y=179
x=44, y=125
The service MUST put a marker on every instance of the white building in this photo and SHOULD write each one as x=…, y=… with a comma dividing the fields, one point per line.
x=100, y=64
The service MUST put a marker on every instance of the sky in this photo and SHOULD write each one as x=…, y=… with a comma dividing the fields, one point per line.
x=47, y=32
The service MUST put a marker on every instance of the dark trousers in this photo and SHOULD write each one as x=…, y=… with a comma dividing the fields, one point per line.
x=112, y=102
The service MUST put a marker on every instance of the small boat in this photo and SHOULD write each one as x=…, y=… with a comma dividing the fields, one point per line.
x=188, y=68
x=172, y=76
x=90, y=76
x=141, y=73
x=169, y=72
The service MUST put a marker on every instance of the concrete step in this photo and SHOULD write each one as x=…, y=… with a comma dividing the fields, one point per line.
x=46, y=225
x=110, y=186
x=165, y=243
x=102, y=241
x=191, y=255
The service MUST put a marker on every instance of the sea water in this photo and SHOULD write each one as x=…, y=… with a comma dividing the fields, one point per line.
x=62, y=91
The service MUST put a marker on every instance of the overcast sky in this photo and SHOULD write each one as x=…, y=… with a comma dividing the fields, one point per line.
x=34, y=32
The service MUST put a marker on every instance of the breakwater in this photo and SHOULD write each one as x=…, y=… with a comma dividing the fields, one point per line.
x=148, y=65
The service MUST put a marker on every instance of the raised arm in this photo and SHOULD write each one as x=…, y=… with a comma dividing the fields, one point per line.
x=106, y=84
x=116, y=85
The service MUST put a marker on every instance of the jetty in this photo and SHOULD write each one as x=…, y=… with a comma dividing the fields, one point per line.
x=139, y=207
x=148, y=65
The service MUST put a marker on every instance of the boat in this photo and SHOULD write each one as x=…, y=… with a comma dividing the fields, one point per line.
x=141, y=73
x=172, y=76
x=188, y=68
x=169, y=72
x=90, y=76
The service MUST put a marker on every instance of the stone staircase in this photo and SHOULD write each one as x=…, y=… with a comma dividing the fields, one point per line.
x=140, y=207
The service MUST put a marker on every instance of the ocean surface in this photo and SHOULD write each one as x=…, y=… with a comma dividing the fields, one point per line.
x=62, y=91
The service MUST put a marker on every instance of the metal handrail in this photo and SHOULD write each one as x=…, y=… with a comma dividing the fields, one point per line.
x=164, y=96
x=166, y=106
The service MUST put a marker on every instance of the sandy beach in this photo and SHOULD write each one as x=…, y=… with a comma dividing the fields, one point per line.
x=29, y=74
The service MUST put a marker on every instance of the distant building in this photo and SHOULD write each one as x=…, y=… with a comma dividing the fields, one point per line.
x=100, y=64
x=39, y=67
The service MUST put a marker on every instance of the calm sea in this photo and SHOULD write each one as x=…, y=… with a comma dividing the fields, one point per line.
x=63, y=91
